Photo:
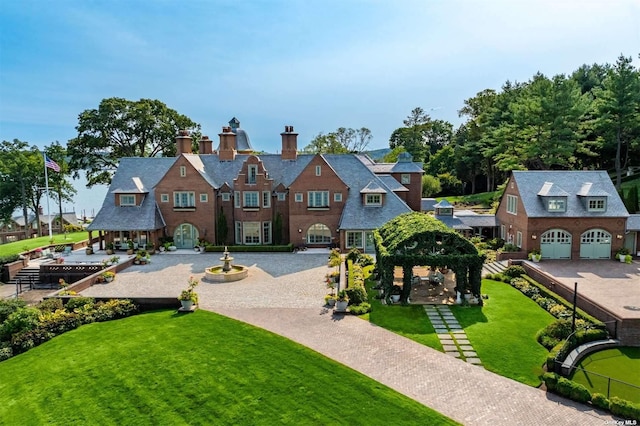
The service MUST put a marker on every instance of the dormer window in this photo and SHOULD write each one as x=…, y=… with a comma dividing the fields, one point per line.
x=557, y=205
x=373, y=200
x=127, y=200
x=598, y=204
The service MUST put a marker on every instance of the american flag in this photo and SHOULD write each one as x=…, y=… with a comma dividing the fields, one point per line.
x=48, y=162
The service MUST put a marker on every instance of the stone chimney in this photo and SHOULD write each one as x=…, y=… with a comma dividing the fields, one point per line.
x=227, y=150
x=183, y=143
x=206, y=145
x=289, y=144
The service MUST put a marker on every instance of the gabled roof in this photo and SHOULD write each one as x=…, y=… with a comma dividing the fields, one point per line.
x=530, y=183
x=134, y=186
x=355, y=174
x=393, y=184
x=387, y=168
x=443, y=204
x=373, y=187
x=551, y=190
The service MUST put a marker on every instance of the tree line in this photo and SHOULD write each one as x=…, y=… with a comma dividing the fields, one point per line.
x=589, y=119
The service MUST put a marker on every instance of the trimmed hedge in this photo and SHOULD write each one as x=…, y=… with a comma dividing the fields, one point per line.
x=624, y=408
x=360, y=309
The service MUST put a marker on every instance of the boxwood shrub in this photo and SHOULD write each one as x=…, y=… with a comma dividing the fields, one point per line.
x=600, y=401
x=624, y=408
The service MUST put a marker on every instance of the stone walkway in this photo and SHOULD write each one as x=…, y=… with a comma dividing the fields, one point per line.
x=284, y=294
x=452, y=337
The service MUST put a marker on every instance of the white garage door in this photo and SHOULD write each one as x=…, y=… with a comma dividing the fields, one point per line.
x=595, y=244
x=555, y=244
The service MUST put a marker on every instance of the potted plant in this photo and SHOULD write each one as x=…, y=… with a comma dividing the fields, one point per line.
x=130, y=245
x=342, y=301
x=395, y=293
x=109, y=276
x=628, y=258
x=188, y=297
x=330, y=299
x=114, y=260
x=535, y=255
x=37, y=253
x=110, y=248
x=89, y=250
x=621, y=254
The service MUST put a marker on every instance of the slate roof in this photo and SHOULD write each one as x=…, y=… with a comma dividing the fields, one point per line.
x=476, y=220
x=143, y=174
x=145, y=217
x=633, y=222
x=453, y=222
x=587, y=183
x=427, y=204
x=393, y=184
x=356, y=175
x=387, y=168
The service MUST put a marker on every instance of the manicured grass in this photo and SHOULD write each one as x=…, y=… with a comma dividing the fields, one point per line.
x=409, y=321
x=503, y=332
x=621, y=364
x=483, y=199
x=17, y=247
x=201, y=368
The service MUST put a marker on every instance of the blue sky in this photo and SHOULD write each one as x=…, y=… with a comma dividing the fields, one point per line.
x=316, y=65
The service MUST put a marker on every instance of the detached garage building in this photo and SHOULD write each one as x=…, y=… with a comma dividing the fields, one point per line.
x=565, y=214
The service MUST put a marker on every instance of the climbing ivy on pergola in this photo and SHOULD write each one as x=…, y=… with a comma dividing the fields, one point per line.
x=415, y=239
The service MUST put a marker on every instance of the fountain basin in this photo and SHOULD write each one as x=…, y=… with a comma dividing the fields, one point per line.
x=216, y=273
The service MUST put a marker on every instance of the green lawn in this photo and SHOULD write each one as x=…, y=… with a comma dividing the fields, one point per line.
x=621, y=364
x=24, y=245
x=483, y=199
x=503, y=332
x=202, y=368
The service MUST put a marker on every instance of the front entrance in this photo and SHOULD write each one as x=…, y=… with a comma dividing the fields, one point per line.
x=185, y=236
x=555, y=244
x=595, y=244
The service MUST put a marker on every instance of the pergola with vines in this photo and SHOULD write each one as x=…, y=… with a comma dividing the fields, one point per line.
x=416, y=239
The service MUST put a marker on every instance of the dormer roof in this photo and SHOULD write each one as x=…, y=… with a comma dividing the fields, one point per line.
x=549, y=189
x=588, y=189
x=373, y=187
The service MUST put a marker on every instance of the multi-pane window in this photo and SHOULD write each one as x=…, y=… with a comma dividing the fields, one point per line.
x=164, y=198
x=184, y=199
x=127, y=200
x=337, y=197
x=282, y=196
x=266, y=199
x=298, y=197
x=319, y=233
x=266, y=232
x=318, y=199
x=253, y=172
x=204, y=198
x=557, y=205
x=512, y=204
x=597, y=204
x=251, y=232
x=373, y=200
x=405, y=178
x=183, y=171
x=250, y=199
x=354, y=239
x=226, y=196
x=318, y=170
x=236, y=199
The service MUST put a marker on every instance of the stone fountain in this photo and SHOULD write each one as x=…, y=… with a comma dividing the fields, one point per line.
x=226, y=272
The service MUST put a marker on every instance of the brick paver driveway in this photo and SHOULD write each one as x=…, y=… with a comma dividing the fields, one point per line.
x=284, y=294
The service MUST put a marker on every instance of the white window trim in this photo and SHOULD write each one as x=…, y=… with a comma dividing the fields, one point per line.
x=204, y=198
x=245, y=197
x=282, y=196
x=266, y=233
x=178, y=205
x=236, y=199
x=519, y=239
x=555, y=202
x=596, y=200
x=164, y=198
x=337, y=197
x=226, y=196
x=311, y=198
x=252, y=175
x=266, y=199
x=238, y=232
x=318, y=170
x=512, y=204
x=183, y=171
x=299, y=197
x=368, y=202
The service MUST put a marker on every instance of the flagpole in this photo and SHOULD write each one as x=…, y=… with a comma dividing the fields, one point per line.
x=46, y=181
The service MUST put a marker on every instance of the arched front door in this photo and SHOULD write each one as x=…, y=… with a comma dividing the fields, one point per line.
x=185, y=236
x=318, y=233
x=555, y=244
x=595, y=244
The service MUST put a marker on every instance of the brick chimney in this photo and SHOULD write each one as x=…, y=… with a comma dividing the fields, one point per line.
x=289, y=144
x=206, y=145
x=227, y=145
x=183, y=143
